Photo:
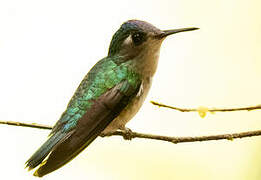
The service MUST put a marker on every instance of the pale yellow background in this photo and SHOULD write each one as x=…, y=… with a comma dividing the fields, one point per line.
x=46, y=48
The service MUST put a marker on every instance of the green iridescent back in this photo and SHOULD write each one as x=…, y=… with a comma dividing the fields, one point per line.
x=103, y=76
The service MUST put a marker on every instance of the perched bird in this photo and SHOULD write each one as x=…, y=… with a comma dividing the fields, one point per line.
x=108, y=97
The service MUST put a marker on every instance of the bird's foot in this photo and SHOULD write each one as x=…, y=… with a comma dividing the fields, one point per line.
x=107, y=133
x=127, y=133
x=103, y=134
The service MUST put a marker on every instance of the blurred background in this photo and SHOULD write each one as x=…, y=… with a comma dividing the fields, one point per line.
x=46, y=48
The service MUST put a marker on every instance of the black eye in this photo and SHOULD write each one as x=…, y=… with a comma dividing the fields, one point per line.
x=138, y=38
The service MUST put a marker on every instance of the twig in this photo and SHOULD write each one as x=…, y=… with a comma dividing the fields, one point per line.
x=250, y=108
x=31, y=125
x=177, y=140
x=131, y=134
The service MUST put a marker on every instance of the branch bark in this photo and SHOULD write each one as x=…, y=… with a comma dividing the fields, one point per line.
x=130, y=134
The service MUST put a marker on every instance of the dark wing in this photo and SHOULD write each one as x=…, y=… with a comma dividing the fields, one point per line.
x=90, y=125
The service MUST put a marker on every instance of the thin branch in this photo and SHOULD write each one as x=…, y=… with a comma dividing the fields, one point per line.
x=177, y=140
x=31, y=125
x=250, y=108
x=130, y=134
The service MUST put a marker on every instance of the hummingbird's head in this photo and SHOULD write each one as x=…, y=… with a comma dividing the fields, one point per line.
x=136, y=38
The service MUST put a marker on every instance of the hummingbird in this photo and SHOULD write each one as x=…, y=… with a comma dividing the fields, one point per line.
x=108, y=97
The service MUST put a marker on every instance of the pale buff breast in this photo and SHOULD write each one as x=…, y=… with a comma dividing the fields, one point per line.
x=145, y=64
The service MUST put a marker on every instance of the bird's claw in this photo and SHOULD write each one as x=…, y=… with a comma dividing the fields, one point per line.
x=127, y=133
x=102, y=134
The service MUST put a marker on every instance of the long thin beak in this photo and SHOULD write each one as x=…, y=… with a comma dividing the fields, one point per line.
x=174, y=31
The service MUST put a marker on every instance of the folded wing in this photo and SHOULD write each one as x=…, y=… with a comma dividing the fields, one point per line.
x=102, y=111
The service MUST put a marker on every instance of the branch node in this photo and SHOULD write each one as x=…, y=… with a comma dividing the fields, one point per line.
x=175, y=141
x=230, y=137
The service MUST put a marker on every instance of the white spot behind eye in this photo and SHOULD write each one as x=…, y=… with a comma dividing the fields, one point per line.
x=128, y=40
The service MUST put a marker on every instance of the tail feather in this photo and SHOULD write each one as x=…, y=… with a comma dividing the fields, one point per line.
x=44, y=150
x=69, y=147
